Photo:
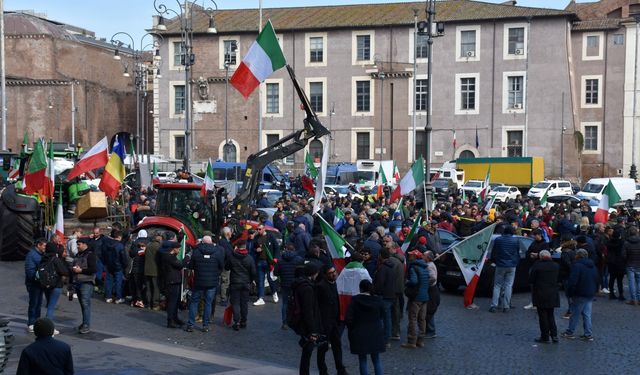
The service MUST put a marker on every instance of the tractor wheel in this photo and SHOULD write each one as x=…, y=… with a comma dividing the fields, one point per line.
x=18, y=231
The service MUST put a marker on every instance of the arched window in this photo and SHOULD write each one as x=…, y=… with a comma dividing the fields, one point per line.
x=466, y=154
x=315, y=149
x=229, y=152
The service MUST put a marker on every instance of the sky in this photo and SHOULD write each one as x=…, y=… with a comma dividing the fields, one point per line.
x=107, y=17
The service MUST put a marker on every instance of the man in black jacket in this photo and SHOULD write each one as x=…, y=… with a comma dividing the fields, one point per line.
x=172, y=275
x=309, y=329
x=207, y=262
x=84, y=271
x=286, y=269
x=384, y=285
x=329, y=303
x=243, y=273
x=46, y=355
x=543, y=278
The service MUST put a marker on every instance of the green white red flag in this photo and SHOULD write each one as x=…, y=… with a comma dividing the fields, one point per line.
x=312, y=171
x=485, y=187
x=264, y=57
x=396, y=172
x=543, y=200
x=155, y=179
x=35, y=175
x=60, y=220
x=412, y=233
x=336, y=245
x=209, y=181
x=14, y=172
x=610, y=197
x=48, y=189
x=413, y=179
x=348, y=284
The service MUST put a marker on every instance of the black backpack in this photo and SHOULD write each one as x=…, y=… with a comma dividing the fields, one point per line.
x=46, y=273
x=294, y=310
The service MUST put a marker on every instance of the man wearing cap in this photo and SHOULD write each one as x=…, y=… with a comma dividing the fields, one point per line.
x=543, y=278
x=46, y=355
x=31, y=263
x=84, y=270
x=582, y=287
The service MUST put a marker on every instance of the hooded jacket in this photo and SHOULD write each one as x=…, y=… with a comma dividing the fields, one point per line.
x=306, y=293
x=631, y=252
x=207, y=262
x=364, y=321
x=384, y=283
x=418, y=274
x=242, y=267
x=286, y=267
x=505, y=251
x=583, y=280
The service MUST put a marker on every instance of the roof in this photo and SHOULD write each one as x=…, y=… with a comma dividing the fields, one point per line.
x=596, y=9
x=359, y=16
x=27, y=24
x=603, y=24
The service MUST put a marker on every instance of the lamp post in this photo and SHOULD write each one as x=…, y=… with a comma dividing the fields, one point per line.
x=331, y=113
x=138, y=70
x=382, y=76
x=188, y=58
x=430, y=10
x=633, y=172
x=226, y=148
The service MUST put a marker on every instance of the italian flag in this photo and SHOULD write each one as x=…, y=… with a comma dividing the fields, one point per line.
x=485, y=189
x=543, y=200
x=348, y=284
x=312, y=171
x=335, y=243
x=35, y=175
x=264, y=57
x=455, y=141
x=14, y=172
x=382, y=180
x=609, y=197
x=208, y=177
x=338, y=219
x=396, y=172
x=399, y=210
x=413, y=178
x=50, y=176
x=155, y=179
x=60, y=220
x=96, y=157
x=412, y=233
x=183, y=246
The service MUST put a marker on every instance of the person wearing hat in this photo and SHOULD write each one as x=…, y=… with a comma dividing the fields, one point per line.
x=172, y=275
x=568, y=247
x=136, y=253
x=543, y=278
x=418, y=283
x=242, y=274
x=309, y=328
x=84, y=271
x=46, y=355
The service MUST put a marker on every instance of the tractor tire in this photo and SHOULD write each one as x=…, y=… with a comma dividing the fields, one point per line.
x=18, y=232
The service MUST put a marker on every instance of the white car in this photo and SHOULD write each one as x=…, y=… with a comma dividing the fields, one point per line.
x=552, y=187
x=473, y=187
x=504, y=193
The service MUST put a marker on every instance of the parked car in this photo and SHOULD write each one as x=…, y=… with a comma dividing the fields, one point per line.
x=504, y=193
x=443, y=187
x=473, y=187
x=551, y=187
x=450, y=276
x=568, y=199
x=340, y=191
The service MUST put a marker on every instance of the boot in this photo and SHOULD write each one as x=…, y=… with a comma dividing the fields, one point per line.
x=612, y=296
x=408, y=345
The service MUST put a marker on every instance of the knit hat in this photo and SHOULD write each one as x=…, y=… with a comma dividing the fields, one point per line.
x=43, y=327
x=310, y=269
x=422, y=240
x=142, y=233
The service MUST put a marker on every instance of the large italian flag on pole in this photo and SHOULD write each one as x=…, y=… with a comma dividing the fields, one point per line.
x=336, y=245
x=412, y=233
x=486, y=187
x=60, y=220
x=34, y=177
x=413, y=179
x=264, y=57
x=609, y=197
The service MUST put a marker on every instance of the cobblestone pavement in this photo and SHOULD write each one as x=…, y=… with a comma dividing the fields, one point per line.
x=135, y=341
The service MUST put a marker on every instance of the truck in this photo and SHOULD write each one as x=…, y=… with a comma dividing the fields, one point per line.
x=593, y=189
x=521, y=172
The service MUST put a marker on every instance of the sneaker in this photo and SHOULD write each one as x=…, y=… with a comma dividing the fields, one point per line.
x=139, y=304
x=30, y=328
x=235, y=327
x=586, y=338
x=529, y=307
x=492, y=309
x=109, y=300
x=420, y=344
x=275, y=297
x=259, y=302
x=119, y=301
x=284, y=327
x=84, y=329
x=540, y=340
x=605, y=290
x=56, y=332
x=397, y=338
x=243, y=325
x=75, y=296
x=554, y=339
x=473, y=306
x=205, y=329
x=568, y=335
x=407, y=345
x=189, y=329
x=566, y=315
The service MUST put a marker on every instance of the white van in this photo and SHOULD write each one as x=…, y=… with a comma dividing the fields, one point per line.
x=553, y=187
x=626, y=188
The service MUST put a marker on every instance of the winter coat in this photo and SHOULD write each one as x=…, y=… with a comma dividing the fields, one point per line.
x=306, y=295
x=584, y=279
x=418, y=274
x=364, y=320
x=301, y=240
x=374, y=248
x=384, y=283
x=113, y=256
x=86, y=260
x=543, y=278
x=46, y=356
x=329, y=304
x=399, y=271
x=286, y=267
x=31, y=263
x=150, y=259
x=505, y=251
x=321, y=260
x=567, y=258
x=59, y=265
x=207, y=262
x=242, y=267
x=171, y=269
x=268, y=241
x=138, y=258
x=631, y=252
x=535, y=247
x=97, y=245
x=615, y=259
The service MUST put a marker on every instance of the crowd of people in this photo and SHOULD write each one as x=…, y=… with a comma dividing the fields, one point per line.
x=380, y=284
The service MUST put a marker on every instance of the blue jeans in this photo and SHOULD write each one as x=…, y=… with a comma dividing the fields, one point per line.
x=196, y=294
x=85, y=292
x=52, y=295
x=503, y=285
x=284, y=296
x=388, y=305
x=377, y=365
x=108, y=284
x=633, y=274
x=35, y=302
x=581, y=306
x=263, y=270
x=99, y=271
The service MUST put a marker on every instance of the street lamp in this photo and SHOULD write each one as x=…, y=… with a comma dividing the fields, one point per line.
x=185, y=17
x=331, y=113
x=633, y=172
x=138, y=69
x=226, y=149
x=382, y=76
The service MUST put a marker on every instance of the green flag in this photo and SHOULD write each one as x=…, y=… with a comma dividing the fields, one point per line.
x=183, y=246
x=412, y=233
x=543, y=200
x=381, y=176
x=312, y=171
x=399, y=209
x=335, y=243
x=35, y=175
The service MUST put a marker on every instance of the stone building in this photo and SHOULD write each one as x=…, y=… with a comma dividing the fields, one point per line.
x=45, y=62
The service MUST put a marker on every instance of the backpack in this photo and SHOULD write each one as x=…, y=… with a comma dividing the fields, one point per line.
x=46, y=274
x=411, y=291
x=294, y=310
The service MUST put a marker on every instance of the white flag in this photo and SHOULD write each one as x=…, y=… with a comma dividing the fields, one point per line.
x=322, y=174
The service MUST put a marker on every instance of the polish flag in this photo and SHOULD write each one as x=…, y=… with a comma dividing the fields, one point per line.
x=96, y=157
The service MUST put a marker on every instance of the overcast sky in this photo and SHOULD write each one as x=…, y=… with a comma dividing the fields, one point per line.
x=106, y=17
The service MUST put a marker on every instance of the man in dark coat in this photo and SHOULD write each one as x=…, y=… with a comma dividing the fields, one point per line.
x=207, y=262
x=505, y=254
x=310, y=324
x=115, y=261
x=631, y=255
x=242, y=273
x=329, y=303
x=582, y=287
x=172, y=275
x=366, y=329
x=543, y=278
x=417, y=278
x=286, y=270
x=46, y=355
x=384, y=284
x=84, y=274
x=151, y=271
x=31, y=263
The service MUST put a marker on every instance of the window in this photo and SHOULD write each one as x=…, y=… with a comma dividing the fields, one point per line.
x=591, y=91
x=363, y=52
x=315, y=150
x=230, y=52
x=516, y=41
x=618, y=39
x=179, y=146
x=468, y=93
x=316, y=97
x=178, y=52
x=468, y=43
x=591, y=134
x=363, y=145
x=421, y=95
x=363, y=96
x=179, y=99
x=466, y=154
x=229, y=152
x=273, y=98
x=272, y=138
x=515, y=92
x=421, y=46
x=514, y=143
x=421, y=145
x=593, y=43
x=592, y=46
x=316, y=49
